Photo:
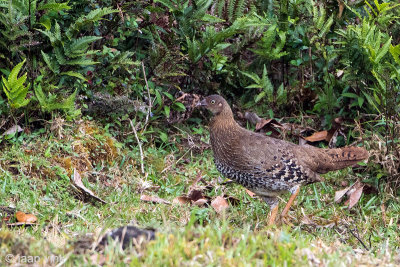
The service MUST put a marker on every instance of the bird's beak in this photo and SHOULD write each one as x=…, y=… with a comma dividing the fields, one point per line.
x=201, y=103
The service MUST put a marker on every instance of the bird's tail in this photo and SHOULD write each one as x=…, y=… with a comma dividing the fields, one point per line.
x=339, y=158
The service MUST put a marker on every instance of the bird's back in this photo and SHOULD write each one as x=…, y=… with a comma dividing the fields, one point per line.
x=255, y=160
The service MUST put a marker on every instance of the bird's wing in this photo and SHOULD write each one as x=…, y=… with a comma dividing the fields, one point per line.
x=275, y=159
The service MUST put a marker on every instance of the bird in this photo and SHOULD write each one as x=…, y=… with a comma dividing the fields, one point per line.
x=268, y=166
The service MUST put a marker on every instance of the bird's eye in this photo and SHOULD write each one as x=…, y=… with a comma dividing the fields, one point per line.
x=212, y=101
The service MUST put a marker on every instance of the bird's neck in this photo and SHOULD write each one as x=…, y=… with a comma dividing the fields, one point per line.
x=224, y=122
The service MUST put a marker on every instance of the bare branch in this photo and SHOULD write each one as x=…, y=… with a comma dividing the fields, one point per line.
x=140, y=145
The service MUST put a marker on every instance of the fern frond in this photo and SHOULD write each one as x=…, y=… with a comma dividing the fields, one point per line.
x=240, y=6
x=93, y=16
x=231, y=9
x=56, y=7
x=52, y=64
x=14, y=87
x=79, y=46
x=81, y=61
x=49, y=103
x=220, y=8
x=58, y=52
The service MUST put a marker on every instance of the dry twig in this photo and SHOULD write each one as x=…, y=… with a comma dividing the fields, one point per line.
x=140, y=145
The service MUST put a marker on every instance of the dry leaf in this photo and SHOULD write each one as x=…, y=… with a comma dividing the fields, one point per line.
x=339, y=194
x=355, y=196
x=341, y=8
x=77, y=182
x=251, y=194
x=219, y=204
x=14, y=129
x=25, y=218
x=200, y=202
x=307, y=221
x=317, y=136
x=269, y=125
x=154, y=199
x=182, y=200
x=195, y=194
x=354, y=192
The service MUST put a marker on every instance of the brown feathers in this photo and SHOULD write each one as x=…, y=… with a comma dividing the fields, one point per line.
x=266, y=165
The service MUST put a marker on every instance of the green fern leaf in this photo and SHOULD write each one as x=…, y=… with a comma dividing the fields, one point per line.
x=14, y=87
x=240, y=6
x=82, y=62
x=231, y=9
x=395, y=51
x=56, y=7
x=80, y=45
x=74, y=74
x=52, y=64
x=12, y=78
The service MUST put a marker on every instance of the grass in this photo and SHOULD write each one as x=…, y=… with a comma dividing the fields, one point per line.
x=35, y=178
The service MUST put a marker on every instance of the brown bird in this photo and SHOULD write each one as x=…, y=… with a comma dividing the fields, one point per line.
x=269, y=166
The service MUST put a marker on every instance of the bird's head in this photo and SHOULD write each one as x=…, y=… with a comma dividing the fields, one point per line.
x=214, y=103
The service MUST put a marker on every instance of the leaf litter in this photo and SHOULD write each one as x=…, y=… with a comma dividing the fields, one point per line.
x=354, y=193
x=85, y=192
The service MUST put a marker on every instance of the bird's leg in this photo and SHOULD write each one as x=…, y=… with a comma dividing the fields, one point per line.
x=273, y=204
x=295, y=191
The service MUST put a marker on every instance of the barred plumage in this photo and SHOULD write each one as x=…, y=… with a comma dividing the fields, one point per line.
x=265, y=165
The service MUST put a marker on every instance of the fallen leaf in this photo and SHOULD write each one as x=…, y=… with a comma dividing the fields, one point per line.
x=219, y=204
x=251, y=194
x=339, y=194
x=269, y=125
x=181, y=200
x=354, y=192
x=154, y=199
x=355, y=196
x=195, y=194
x=200, y=202
x=317, y=136
x=25, y=218
x=14, y=129
x=339, y=15
x=77, y=182
x=307, y=221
